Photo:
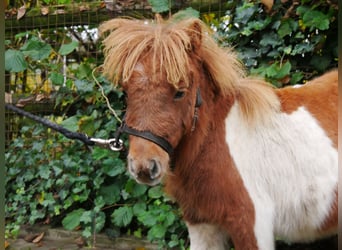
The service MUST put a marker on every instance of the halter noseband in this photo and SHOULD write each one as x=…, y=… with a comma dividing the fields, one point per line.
x=160, y=141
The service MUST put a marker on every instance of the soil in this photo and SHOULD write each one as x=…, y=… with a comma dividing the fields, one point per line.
x=60, y=239
x=46, y=238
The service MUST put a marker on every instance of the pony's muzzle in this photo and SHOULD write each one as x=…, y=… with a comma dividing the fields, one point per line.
x=145, y=171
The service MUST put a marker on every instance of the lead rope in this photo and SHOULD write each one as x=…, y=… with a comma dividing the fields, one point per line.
x=104, y=96
x=114, y=144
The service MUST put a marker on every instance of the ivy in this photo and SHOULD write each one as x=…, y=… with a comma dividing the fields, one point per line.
x=15, y=61
x=288, y=45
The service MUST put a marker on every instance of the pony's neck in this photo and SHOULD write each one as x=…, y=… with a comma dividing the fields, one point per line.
x=211, y=116
x=201, y=157
x=205, y=148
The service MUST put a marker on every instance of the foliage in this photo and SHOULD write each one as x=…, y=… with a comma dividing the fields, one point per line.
x=53, y=180
x=293, y=42
x=56, y=181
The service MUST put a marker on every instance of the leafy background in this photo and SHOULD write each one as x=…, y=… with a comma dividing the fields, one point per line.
x=52, y=180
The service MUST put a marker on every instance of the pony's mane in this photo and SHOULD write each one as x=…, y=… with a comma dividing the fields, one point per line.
x=169, y=44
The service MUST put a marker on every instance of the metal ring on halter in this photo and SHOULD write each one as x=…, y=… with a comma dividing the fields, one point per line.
x=115, y=145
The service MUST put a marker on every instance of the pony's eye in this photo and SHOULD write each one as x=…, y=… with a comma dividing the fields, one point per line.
x=179, y=95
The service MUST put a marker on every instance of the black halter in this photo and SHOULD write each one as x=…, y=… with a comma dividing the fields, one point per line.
x=160, y=141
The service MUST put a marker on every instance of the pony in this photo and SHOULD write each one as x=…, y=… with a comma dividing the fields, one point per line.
x=245, y=162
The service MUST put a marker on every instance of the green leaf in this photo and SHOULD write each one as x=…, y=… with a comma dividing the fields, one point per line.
x=89, y=124
x=139, y=208
x=100, y=219
x=316, y=19
x=155, y=192
x=66, y=49
x=301, y=10
x=287, y=27
x=15, y=61
x=245, y=12
x=113, y=166
x=184, y=14
x=278, y=71
x=83, y=71
x=87, y=232
x=84, y=86
x=110, y=194
x=296, y=77
x=100, y=153
x=270, y=39
x=259, y=24
x=36, y=49
x=134, y=189
x=147, y=218
x=284, y=70
x=157, y=231
x=302, y=48
x=138, y=233
x=44, y=173
x=70, y=123
x=159, y=6
x=56, y=78
x=122, y=216
x=86, y=217
x=72, y=220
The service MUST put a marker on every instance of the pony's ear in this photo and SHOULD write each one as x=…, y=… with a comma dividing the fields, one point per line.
x=194, y=31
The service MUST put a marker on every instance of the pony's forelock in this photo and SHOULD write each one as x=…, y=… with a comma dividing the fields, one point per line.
x=130, y=40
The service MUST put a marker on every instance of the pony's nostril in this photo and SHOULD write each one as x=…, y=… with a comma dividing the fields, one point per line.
x=154, y=169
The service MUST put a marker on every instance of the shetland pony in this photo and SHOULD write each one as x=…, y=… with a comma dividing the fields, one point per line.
x=243, y=160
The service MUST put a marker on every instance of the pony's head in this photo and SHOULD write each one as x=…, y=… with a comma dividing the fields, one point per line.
x=163, y=67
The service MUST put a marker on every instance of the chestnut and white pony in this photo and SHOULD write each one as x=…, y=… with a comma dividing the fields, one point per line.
x=249, y=162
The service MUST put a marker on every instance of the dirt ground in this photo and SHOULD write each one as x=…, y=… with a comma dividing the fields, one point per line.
x=45, y=238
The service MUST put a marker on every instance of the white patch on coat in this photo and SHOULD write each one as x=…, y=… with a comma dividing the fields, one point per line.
x=290, y=169
x=140, y=70
x=207, y=237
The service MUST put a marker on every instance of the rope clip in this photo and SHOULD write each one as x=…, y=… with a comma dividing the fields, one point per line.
x=111, y=144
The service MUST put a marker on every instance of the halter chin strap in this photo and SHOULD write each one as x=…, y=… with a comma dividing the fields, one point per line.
x=160, y=141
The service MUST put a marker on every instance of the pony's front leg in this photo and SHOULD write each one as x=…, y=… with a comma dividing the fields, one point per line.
x=207, y=237
x=252, y=233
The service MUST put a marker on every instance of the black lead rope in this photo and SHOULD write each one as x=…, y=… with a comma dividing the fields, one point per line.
x=114, y=144
x=67, y=133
